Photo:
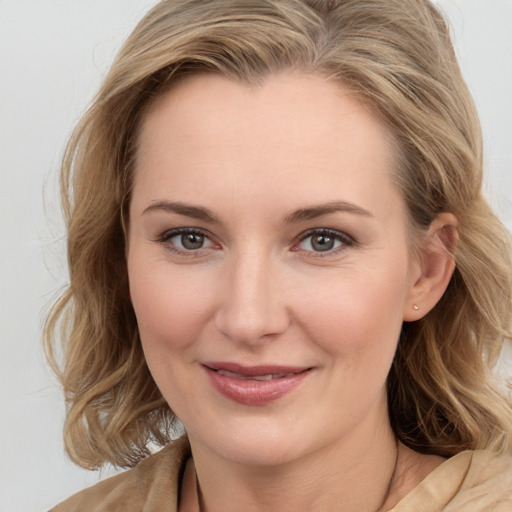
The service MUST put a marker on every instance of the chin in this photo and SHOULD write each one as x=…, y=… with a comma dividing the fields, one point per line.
x=256, y=442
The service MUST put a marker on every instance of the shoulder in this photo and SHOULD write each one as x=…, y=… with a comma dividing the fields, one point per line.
x=147, y=486
x=487, y=483
x=470, y=481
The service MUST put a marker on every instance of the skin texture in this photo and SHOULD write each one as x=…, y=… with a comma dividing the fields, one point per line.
x=257, y=291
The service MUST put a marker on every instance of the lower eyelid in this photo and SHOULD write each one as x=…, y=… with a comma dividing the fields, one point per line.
x=344, y=239
x=339, y=236
x=165, y=240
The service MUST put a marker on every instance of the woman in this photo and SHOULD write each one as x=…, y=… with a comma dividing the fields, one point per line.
x=277, y=236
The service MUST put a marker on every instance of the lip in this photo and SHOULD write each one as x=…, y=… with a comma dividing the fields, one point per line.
x=254, y=385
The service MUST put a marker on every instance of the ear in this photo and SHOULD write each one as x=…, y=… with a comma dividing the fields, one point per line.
x=433, y=268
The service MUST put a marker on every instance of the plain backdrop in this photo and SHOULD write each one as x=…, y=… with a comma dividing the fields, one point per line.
x=53, y=55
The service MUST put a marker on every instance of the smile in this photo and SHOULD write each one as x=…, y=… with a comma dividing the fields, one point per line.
x=269, y=376
x=256, y=385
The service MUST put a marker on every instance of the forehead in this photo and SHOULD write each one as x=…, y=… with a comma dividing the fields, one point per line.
x=319, y=100
x=297, y=137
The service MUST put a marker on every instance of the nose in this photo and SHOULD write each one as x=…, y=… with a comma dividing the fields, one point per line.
x=252, y=308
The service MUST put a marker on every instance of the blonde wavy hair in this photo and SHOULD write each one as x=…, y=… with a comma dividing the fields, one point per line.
x=397, y=57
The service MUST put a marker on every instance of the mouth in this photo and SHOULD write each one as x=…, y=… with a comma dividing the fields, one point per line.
x=268, y=376
x=254, y=385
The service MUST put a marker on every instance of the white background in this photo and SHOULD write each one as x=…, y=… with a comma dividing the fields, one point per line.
x=53, y=55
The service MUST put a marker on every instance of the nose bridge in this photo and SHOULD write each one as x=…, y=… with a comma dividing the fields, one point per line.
x=252, y=304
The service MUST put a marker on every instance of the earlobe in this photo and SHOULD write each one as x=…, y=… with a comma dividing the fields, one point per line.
x=435, y=267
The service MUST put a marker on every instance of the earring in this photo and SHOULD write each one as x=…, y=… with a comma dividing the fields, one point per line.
x=415, y=307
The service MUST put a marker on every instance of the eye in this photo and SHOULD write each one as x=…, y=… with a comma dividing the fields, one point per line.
x=189, y=241
x=323, y=241
x=186, y=240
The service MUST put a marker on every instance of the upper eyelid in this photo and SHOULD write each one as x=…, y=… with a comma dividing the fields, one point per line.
x=343, y=236
x=164, y=240
x=169, y=233
x=340, y=234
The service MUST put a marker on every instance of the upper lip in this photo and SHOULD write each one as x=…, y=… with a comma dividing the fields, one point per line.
x=254, y=371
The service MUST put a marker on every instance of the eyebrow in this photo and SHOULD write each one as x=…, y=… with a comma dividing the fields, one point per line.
x=324, y=209
x=187, y=210
x=312, y=212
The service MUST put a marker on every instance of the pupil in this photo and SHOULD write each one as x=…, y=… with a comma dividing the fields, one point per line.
x=192, y=241
x=322, y=242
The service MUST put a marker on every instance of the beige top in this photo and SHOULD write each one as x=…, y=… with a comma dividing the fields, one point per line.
x=472, y=481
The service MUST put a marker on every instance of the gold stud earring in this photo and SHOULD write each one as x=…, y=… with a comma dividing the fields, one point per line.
x=415, y=307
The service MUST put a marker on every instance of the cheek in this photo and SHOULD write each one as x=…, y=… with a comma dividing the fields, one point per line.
x=172, y=308
x=355, y=314
x=171, y=305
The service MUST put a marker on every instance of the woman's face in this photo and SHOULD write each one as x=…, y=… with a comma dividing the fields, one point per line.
x=268, y=263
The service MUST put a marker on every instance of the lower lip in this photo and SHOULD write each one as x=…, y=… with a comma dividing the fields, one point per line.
x=254, y=392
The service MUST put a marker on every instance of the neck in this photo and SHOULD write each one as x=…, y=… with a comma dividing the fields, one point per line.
x=349, y=475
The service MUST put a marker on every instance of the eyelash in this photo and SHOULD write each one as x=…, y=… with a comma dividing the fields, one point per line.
x=165, y=238
x=339, y=236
